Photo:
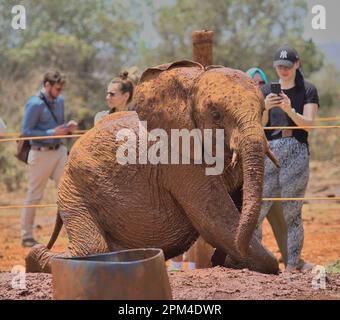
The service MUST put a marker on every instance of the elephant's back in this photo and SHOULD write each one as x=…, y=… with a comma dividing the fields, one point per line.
x=92, y=165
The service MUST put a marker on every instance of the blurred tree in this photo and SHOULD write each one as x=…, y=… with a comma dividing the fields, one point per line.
x=247, y=33
x=327, y=81
x=88, y=40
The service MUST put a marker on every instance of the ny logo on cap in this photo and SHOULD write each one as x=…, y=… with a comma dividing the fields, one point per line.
x=283, y=54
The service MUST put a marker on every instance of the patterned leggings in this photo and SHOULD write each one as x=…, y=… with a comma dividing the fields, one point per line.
x=289, y=181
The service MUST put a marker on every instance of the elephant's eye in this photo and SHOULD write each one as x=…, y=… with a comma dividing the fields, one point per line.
x=216, y=116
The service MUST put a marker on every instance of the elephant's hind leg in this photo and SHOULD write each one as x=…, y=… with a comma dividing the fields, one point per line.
x=39, y=259
x=85, y=238
x=85, y=235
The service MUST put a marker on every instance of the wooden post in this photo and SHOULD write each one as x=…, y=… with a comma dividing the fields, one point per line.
x=202, y=52
x=202, y=47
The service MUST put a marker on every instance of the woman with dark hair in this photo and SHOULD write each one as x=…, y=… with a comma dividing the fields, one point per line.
x=119, y=94
x=295, y=105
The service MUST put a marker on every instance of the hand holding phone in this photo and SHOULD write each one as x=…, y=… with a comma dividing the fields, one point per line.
x=274, y=99
x=275, y=88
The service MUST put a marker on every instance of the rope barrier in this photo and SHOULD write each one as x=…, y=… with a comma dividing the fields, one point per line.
x=79, y=135
x=17, y=134
x=29, y=206
x=42, y=137
x=328, y=119
x=80, y=132
x=263, y=199
x=302, y=127
x=302, y=199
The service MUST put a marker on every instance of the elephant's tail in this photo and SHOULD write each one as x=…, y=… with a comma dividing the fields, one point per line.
x=56, y=231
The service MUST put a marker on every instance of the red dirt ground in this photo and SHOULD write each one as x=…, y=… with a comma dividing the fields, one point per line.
x=322, y=246
x=213, y=283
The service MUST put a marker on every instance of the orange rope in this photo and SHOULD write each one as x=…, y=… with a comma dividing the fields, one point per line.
x=29, y=206
x=264, y=199
x=301, y=199
x=17, y=134
x=42, y=138
x=303, y=127
x=79, y=135
x=328, y=119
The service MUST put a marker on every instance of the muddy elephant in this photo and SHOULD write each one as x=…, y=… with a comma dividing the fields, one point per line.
x=107, y=206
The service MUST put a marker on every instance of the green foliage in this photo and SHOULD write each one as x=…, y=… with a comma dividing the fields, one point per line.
x=88, y=40
x=333, y=267
x=246, y=33
x=65, y=52
x=327, y=81
x=91, y=40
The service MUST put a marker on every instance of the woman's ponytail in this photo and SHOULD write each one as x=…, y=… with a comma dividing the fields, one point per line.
x=299, y=79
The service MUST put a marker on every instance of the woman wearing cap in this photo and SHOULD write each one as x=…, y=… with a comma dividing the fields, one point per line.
x=274, y=215
x=119, y=95
x=296, y=105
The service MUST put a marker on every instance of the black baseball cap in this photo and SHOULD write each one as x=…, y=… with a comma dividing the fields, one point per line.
x=285, y=56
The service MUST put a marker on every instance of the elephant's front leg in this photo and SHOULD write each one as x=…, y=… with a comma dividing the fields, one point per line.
x=212, y=212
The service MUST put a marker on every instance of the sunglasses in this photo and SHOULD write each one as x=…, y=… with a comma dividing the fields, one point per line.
x=111, y=94
x=58, y=89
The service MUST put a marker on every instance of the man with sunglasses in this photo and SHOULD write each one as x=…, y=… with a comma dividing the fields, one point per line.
x=44, y=116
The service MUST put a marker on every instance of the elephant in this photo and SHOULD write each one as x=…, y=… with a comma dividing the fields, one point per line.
x=106, y=206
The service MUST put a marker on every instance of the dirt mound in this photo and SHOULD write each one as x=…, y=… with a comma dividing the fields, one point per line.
x=222, y=283
x=215, y=283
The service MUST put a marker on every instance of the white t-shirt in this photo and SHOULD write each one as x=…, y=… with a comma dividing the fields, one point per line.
x=2, y=126
x=100, y=115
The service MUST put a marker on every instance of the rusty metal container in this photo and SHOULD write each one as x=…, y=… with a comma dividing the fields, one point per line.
x=123, y=275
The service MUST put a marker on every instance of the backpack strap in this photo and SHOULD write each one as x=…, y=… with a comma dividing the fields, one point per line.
x=43, y=98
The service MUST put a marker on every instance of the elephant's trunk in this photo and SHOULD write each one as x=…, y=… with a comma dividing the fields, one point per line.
x=252, y=153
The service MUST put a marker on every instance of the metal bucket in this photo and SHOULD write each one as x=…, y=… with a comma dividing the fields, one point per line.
x=130, y=274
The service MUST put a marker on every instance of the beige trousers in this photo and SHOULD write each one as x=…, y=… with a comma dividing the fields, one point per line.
x=42, y=165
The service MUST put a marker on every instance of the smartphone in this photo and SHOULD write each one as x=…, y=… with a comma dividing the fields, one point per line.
x=275, y=87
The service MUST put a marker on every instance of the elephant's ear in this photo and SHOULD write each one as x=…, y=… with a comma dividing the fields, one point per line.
x=154, y=71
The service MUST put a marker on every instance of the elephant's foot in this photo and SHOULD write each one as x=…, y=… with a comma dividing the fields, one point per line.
x=269, y=267
x=218, y=258
x=39, y=259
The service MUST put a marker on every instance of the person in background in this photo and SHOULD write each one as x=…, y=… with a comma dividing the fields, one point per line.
x=44, y=116
x=258, y=76
x=119, y=94
x=296, y=105
x=2, y=127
